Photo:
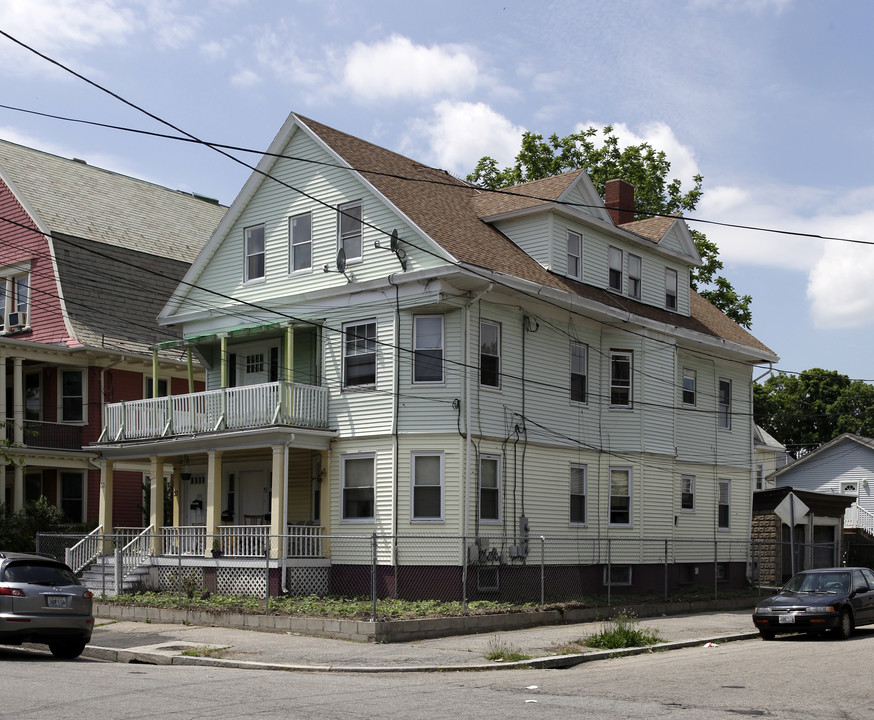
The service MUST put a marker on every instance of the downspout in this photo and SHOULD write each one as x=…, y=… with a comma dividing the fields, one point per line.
x=753, y=467
x=467, y=413
x=284, y=554
x=394, y=421
x=289, y=378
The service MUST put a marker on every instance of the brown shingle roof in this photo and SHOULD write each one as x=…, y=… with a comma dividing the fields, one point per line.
x=653, y=228
x=449, y=210
x=523, y=196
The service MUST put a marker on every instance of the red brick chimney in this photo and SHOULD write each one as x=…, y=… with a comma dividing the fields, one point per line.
x=619, y=201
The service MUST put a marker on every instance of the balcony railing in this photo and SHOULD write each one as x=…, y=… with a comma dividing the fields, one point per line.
x=47, y=435
x=250, y=406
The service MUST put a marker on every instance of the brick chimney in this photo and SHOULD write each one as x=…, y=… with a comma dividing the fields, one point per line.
x=619, y=201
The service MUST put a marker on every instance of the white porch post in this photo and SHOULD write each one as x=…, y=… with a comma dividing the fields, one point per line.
x=18, y=401
x=156, y=502
x=213, y=496
x=18, y=488
x=177, y=493
x=277, y=498
x=104, y=511
x=325, y=494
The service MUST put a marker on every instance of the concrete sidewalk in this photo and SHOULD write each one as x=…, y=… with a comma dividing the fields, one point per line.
x=127, y=641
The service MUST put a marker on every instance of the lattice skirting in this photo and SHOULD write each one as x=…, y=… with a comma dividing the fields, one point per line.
x=250, y=581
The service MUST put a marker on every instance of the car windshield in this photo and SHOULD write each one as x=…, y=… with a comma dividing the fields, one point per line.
x=834, y=582
x=39, y=574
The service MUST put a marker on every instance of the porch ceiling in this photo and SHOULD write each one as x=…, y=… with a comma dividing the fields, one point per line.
x=220, y=441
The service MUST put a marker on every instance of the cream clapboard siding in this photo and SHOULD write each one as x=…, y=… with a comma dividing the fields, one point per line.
x=530, y=233
x=274, y=204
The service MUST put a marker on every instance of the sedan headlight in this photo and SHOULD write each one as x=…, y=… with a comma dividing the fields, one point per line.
x=763, y=610
x=820, y=609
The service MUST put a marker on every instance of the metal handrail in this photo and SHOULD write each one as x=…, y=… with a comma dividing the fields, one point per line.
x=85, y=551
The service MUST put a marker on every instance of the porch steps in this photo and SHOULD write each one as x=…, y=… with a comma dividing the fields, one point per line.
x=99, y=578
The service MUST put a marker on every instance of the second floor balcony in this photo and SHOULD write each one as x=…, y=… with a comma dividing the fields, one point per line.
x=236, y=408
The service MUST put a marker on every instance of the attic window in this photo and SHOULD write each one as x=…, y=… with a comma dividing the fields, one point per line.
x=349, y=222
x=670, y=289
x=615, y=278
x=574, y=254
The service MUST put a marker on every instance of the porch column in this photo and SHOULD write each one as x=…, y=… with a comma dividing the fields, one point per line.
x=104, y=510
x=156, y=502
x=224, y=360
x=325, y=494
x=277, y=498
x=177, y=494
x=190, y=364
x=18, y=401
x=18, y=488
x=213, y=497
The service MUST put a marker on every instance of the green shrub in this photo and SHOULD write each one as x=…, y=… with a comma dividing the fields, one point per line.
x=18, y=530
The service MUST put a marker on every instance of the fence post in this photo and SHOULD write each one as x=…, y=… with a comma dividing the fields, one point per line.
x=119, y=569
x=373, y=578
x=267, y=577
x=666, y=570
x=179, y=567
x=715, y=568
x=609, y=574
x=464, y=564
x=103, y=568
x=542, y=572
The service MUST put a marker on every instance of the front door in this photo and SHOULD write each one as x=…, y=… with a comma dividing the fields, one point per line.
x=254, y=490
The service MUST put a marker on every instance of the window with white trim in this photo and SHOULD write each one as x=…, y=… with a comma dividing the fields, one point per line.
x=620, y=378
x=724, y=506
x=427, y=487
x=760, y=477
x=357, y=483
x=578, y=495
x=690, y=381
x=687, y=493
x=359, y=355
x=349, y=229
x=579, y=358
x=428, y=349
x=619, y=575
x=574, y=254
x=615, y=273
x=670, y=289
x=72, y=396
x=254, y=252
x=14, y=300
x=300, y=230
x=634, y=276
x=490, y=354
x=723, y=412
x=620, y=497
x=490, y=488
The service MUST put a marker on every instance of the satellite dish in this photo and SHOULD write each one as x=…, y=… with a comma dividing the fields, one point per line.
x=393, y=243
x=341, y=260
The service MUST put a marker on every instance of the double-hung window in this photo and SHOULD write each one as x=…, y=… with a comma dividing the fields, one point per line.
x=357, y=481
x=670, y=289
x=490, y=488
x=578, y=372
x=72, y=396
x=349, y=221
x=359, y=355
x=578, y=495
x=254, y=250
x=760, y=477
x=574, y=254
x=427, y=487
x=687, y=493
x=300, y=230
x=620, y=497
x=724, y=508
x=14, y=301
x=620, y=378
x=690, y=380
x=428, y=349
x=634, y=271
x=723, y=412
x=615, y=274
x=490, y=354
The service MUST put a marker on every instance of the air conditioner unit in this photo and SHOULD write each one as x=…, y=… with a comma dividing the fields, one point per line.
x=16, y=320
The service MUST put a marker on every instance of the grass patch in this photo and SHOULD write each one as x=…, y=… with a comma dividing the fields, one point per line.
x=622, y=631
x=502, y=651
x=206, y=651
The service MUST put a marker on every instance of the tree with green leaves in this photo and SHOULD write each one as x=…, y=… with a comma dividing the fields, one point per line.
x=806, y=410
x=641, y=165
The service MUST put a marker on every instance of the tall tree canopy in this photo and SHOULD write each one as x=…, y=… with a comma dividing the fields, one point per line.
x=806, y=410
x=641, y=165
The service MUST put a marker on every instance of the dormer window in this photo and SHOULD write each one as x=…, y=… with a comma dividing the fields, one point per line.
x=615, y=278
x=670, y=289
x=574, y=254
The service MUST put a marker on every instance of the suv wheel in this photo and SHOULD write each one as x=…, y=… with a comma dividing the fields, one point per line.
x=68, y=649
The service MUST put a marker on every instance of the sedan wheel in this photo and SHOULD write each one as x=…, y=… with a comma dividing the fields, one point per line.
x=766, y=634
x=845, y=628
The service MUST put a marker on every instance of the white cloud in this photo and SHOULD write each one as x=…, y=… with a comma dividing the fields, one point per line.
x=245, y=78
x=396, y=68
x=460, y=133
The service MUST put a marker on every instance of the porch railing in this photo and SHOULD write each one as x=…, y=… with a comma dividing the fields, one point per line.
x=184, y=540
x=84, y=551
x=51, y=435
x=136, y=552
x=243, y=540
x=250, y=406
x=858, y=517
x=302, y=541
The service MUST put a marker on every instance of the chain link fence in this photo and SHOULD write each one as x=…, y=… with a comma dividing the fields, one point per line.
x=533, y=570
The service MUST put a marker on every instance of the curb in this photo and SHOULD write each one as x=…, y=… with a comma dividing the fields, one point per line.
x=553, y=662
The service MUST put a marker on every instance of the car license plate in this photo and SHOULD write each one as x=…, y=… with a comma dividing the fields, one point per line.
x=787, y=618
x=56, y=601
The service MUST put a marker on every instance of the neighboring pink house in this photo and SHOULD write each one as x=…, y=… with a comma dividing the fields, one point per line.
x=88, y=258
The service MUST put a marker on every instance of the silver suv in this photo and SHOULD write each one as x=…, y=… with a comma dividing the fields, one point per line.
x=42, y=601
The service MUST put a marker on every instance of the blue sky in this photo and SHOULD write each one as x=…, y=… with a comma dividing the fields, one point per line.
x=770, y=100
